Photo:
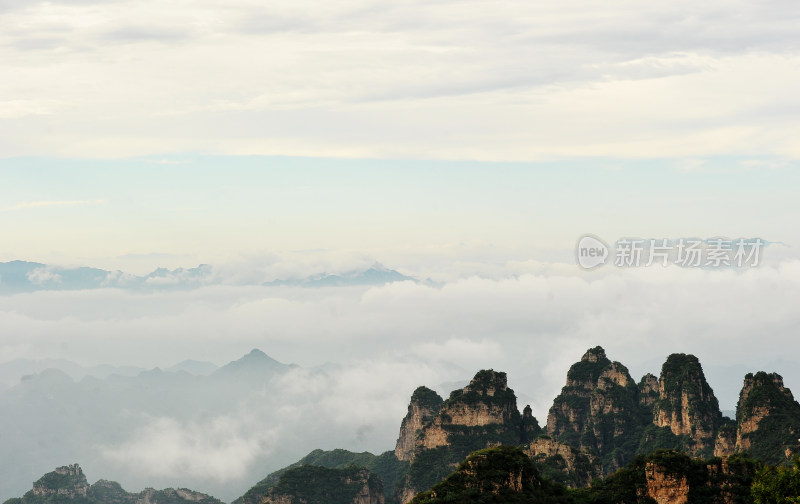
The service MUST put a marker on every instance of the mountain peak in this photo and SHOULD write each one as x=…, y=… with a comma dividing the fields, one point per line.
x=595, y=354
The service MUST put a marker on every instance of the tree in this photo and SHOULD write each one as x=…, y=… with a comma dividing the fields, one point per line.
x=777, y=485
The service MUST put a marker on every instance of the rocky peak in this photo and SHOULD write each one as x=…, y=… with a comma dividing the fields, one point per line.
x=486, y=400
x=487, y=383
x=68, y=481
x=686, y=403
x=481, y=415
x=529, y=429
x=598, y=409
x=596, y=354
x=424, y=405
x=648, y=390
x=586, y=372
x=768, y=418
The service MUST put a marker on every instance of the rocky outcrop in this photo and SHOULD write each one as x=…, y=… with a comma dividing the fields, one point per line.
x=598, y=410
x=485, y=405
x=67, y=481
x=768, y=419
x=563, y=463
x=725, y=444
x=482, y=414
x=687, y=405
x=529, y=429
x=424, y=405
x=648, y=391
x=665, y=487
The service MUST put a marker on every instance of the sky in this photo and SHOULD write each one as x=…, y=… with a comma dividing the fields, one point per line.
x=466, y=144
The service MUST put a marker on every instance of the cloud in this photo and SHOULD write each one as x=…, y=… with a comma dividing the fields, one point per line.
x=512, y=81
x=41, y=276
x=219, y=449
x=364, y=350
x=532, y=325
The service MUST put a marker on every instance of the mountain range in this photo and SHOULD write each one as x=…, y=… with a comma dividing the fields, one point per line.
x=601, y=425
x=659, y=439
x=23, y=276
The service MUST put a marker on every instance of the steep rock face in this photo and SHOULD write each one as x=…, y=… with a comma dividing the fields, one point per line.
x=322, y=485
x=424, y=405
x=725, y=444
x=481, y=415
x=598, y=410
x=687, y=405
x=768, y=419
x=648, y=391
x=485, y=402
x=664, y=487
x=563, y=463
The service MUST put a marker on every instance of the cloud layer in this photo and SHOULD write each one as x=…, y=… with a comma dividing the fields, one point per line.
x=504, y=80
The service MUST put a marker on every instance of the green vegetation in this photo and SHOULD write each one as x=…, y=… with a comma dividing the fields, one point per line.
x=613, y=429
x=495, y=475
x=706, y=480
x=427, y=398
x=321, y=485
x=780, y=429
x=777, y=485
x=659, y=438
x=385, y=466
x=476, y=391
x=587, y=371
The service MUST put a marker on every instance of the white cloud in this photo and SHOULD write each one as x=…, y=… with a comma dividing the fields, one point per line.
x=511, y=80
x=219, y=449
x=41, y=276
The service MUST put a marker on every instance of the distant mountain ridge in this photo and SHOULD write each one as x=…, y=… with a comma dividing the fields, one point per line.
x=23, y=276
x=69, y=484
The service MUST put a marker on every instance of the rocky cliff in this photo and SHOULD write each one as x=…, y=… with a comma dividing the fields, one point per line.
x=424, y=405
x=482, y=414
x=665, y=487
x=768, y=419
x=562, y=463
x=598, y=410
x=687, y=405
x=68, y=481
x=672, y=477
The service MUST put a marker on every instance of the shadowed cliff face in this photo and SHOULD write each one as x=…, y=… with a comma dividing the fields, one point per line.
x=482, y=414
x=424, y=405
x=687, y=405
x=768, y=419
x=598, y=410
